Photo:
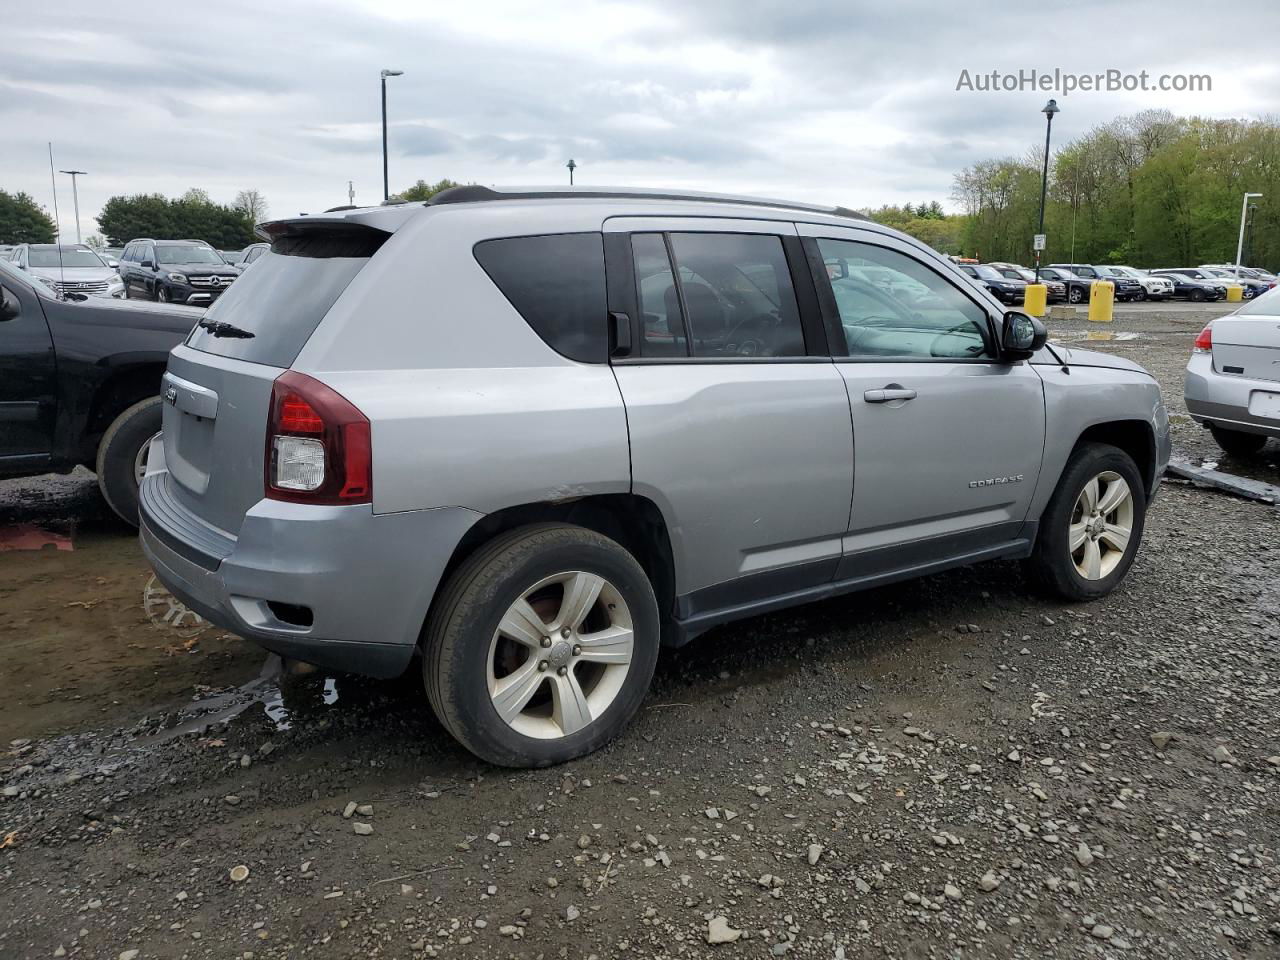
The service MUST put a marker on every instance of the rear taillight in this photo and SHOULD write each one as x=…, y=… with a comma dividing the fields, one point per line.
x=318, y=444
x=1204, y=342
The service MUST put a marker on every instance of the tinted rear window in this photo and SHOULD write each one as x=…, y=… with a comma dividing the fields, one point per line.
x=284, y=297
x=556, y=282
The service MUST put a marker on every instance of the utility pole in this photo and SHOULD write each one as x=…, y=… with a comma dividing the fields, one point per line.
x=75, y=196
x=1049, y=110
x=386, y=189
x=1244, y=211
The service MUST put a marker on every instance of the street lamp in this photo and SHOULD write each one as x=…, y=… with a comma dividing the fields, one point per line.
x=75, y=196
x=572, y=167
x=1049, y=110
x=386, y=188
x=1244, y=210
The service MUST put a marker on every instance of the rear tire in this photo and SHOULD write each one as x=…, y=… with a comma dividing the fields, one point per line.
x=122, y=451
x=1197, y=296
x=1097, y=564
x=472, y=657
x=1237, y=442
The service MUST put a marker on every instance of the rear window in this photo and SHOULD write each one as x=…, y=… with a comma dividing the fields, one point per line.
x=284, y=297
x=1267, y=305
x=556, y=282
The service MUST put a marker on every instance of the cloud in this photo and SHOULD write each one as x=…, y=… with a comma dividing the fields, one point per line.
x=811, y=99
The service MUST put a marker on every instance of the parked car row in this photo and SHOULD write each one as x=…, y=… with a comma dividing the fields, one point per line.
x=169, y=271
x=1073, y=282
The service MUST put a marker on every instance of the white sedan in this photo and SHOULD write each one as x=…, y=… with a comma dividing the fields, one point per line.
x=1233, y=377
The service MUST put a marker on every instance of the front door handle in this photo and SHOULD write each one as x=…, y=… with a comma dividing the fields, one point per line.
x=888, y=395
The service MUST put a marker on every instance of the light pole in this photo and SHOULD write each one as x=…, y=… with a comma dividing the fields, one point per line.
x=1244, y=212
x=1049, y=110
x=572, y=167
x=75, y=196
x=386, y=187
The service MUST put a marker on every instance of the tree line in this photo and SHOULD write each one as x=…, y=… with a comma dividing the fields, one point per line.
x=1151, y=189
x=191, y=216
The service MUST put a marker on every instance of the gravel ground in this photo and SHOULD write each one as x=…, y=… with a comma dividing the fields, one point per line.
x=947, y=768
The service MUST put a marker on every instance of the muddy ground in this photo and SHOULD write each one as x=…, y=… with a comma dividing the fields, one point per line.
x=952, y=767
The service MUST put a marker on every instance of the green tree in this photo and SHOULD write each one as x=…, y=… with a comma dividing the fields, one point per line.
x=425, y=191
x=190, y=217
x=22, y=220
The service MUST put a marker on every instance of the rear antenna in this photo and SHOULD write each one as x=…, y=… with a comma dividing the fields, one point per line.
x=62, y=272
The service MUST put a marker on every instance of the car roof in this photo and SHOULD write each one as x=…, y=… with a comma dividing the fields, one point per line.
x=609, y=201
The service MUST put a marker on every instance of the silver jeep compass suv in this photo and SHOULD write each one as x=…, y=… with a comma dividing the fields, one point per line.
x=535, y=434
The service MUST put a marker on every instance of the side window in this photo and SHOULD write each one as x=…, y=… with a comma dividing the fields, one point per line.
x=126, y=253
x=556, y=282
x=892, y=305
x=658, y=299
x=737, y=295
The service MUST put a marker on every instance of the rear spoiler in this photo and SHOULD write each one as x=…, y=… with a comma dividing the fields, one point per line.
x=322, y=237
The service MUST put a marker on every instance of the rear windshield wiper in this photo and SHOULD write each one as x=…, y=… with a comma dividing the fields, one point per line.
x=221, y=328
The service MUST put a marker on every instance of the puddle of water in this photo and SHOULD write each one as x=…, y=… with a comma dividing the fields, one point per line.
x=1074, y=335
x=264, y=690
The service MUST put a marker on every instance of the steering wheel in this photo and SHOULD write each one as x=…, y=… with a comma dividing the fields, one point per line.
x=756, y=347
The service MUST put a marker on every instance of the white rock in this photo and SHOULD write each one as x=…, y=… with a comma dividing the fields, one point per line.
x=362, y=829
x=719, y=931
x=1084, y=856
x=989, y=882
x=815, y=851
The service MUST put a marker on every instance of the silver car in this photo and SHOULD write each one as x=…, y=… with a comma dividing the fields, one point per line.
x=1233, y=377
x=532, y=435
x=69, y=268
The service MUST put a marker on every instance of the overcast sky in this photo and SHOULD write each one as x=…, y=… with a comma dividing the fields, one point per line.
x=830, y=102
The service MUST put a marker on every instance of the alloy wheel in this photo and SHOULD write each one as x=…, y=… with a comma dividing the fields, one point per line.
x=560, y=655
x=1101, y=525
x=140, y=460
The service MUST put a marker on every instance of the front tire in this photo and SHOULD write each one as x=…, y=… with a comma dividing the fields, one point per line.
x=1197, y=296
x=541, y=646
x=122, y=456
x=1237, y=442
x=1091, y=528
x=1076, y=295
x=162, y=294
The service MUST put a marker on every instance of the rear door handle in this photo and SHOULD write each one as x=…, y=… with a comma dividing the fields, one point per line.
x=888, y=394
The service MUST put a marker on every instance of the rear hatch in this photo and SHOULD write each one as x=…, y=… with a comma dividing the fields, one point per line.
x=1247, y=342
x=217, y=390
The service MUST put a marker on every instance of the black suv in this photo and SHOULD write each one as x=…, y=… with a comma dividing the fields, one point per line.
x=174, y=271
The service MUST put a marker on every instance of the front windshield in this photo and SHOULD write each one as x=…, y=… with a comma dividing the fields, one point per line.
x=1022, y=274
x=71, y=257
x=174, y=253
x=987, y=273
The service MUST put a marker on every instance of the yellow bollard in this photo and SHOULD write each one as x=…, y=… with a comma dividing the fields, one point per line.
x=1235, y=293
x=1102, y=297
x=1037, y=299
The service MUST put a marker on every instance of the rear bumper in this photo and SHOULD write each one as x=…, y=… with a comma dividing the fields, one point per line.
x=340, y=587
x=1212, y=397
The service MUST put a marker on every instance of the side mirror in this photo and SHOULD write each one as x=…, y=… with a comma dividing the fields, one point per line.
x=9, y=306
x=1022, y=335
x=149, y=264
x=112, y=262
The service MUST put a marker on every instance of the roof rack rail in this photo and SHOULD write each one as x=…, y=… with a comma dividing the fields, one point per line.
x=474, y=193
